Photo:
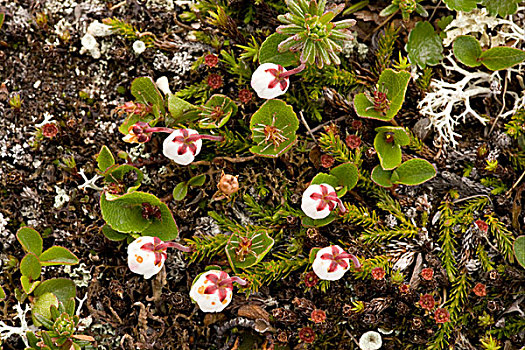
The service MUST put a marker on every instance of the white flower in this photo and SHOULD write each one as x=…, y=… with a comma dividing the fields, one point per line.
x=370, y=341
x=266, y=81
x=319, y=200
x=139, y=47
x=212, y=291
x=180, y=147
x=332, y=262
x=99, y=29
x=163, y=85
x=146, y=256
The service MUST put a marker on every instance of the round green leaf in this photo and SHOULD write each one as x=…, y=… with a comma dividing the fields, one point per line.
x=273, y=129
x=400, y=135
x=58, y=256
x=499, y=58
x=261, y=245
x=389, y=153
x=467, y=50
x=178, y=108
x=323, y=178
x=30, y=240
x=62, y=288
x=180, y=191
x=145, y=91
x=382, y=177
x=519, y=250
x=501, y=7
x=268, y=53
x=395, y=84
x=27, y=285
x=217, y=111
x=113, y=235
x=461, y=5
x=415, y=172
x=424, y=45
x=42, y=307
x=30, y=266
x=347, y=175
x=105, y=159
x=120, y=175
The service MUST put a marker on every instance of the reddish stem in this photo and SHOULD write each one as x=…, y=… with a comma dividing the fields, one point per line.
x=352, y=257
x=158, y=129
x=176, y=246
x=233, y=279
x=296, y=70
x=196, y=137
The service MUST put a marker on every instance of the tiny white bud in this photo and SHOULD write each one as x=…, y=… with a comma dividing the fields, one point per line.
x=180, y=151
x=266, y=83
x=163, y=85
x=139, y=47
x=142, y=261
x=206, y=292
x=370, y=341
x=89, y=42
x=99, y=29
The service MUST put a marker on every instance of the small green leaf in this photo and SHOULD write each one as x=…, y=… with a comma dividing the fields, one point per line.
x=2, y=293
x=389, y=153
x=124, y=214
x=180, y=191
x=239, y=258
x=414, y=172
x=390, y=9
x=217, y=111
x=269, y=53
x=27, y=285
x=132, y=120
x=461, y=5
x=41, y=309
x=313, y=253
x=467, y=50
x=62, y=288
x=323, y=178
x=499, y=58
x=347, y=175
x=146, y=92
x=382, y=177
x=113, y=235
x=58, y=256
x=30, y=240
x=501, y=7
x=197, y=181
x=126, y=176
x=309, y=222
x=519, y=250
x=30, y=266
x=2, y=17
x=395, y=84
x=105, y=159
x=424, y=45
x=179, y=108
x=273, y=129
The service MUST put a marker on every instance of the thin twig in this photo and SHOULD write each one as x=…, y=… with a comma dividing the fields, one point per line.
x=515, y=184
x=470, y=197
x=435, y=9
x=307, y=126
x=502, y=106
x=379, y=26
x=318, y=127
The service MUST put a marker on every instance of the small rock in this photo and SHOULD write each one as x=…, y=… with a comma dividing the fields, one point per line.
x=422, y=129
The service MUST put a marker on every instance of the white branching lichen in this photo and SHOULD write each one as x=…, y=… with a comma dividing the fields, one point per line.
x=8, y=331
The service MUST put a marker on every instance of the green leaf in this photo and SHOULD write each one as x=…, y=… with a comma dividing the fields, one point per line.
x=2, y=293
x=132, y=120
x=122, y=176
x=41, y=309
x=63, y=288
x=124, y=214
x=281, y=120
x=2, y=17
x=467, y=50
x=313, y=253
x=113, y=235
x=197, y=180
x=58, y=256
x=389, y=153
x=323, y=178
x=382, y=177
x=461, y=5
x=146, y=92
x=217, y=111
x=414, y=172
x=395, y=85
x=30, y=266
x=269, y=53
x=180, y=191
x=261, y=243
x=27, y=285
x=178, y=108
x=347, y=175
x=309, y=222
x=30, y=240
x=519, y=250
x=390, y=9
x=424, y=45
x=105, y=159
x=502, y=57
x=501, y=7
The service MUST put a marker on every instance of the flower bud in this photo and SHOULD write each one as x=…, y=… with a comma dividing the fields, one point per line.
x=180, y=148
x=319, y=200
x=228, y=184
x=163, y=85
x=266, y=81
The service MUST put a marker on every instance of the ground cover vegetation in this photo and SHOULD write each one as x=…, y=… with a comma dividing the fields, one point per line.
x=231, y=174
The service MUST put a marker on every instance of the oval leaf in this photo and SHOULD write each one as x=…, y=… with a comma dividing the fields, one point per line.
x=180, y=191
x=424, y=45
x=58, y=256
x=145, y=91
x=41, y=308
x=389, y=153
x=499, y=58
x=268, y=53
x=347, y=175
x=382, y=177
x=519, y=250
x=30, y=240
x=62, y=288
x=467, y=50
x=30, y=266
x=105, y=159
x=197, y=180
x=415, y=172
x=461, y=5
x=501, y=7
x=261, y=243
x=113, y=235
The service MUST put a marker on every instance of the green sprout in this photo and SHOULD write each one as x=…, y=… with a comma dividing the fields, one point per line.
x=311, y=32
x=407, y=7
